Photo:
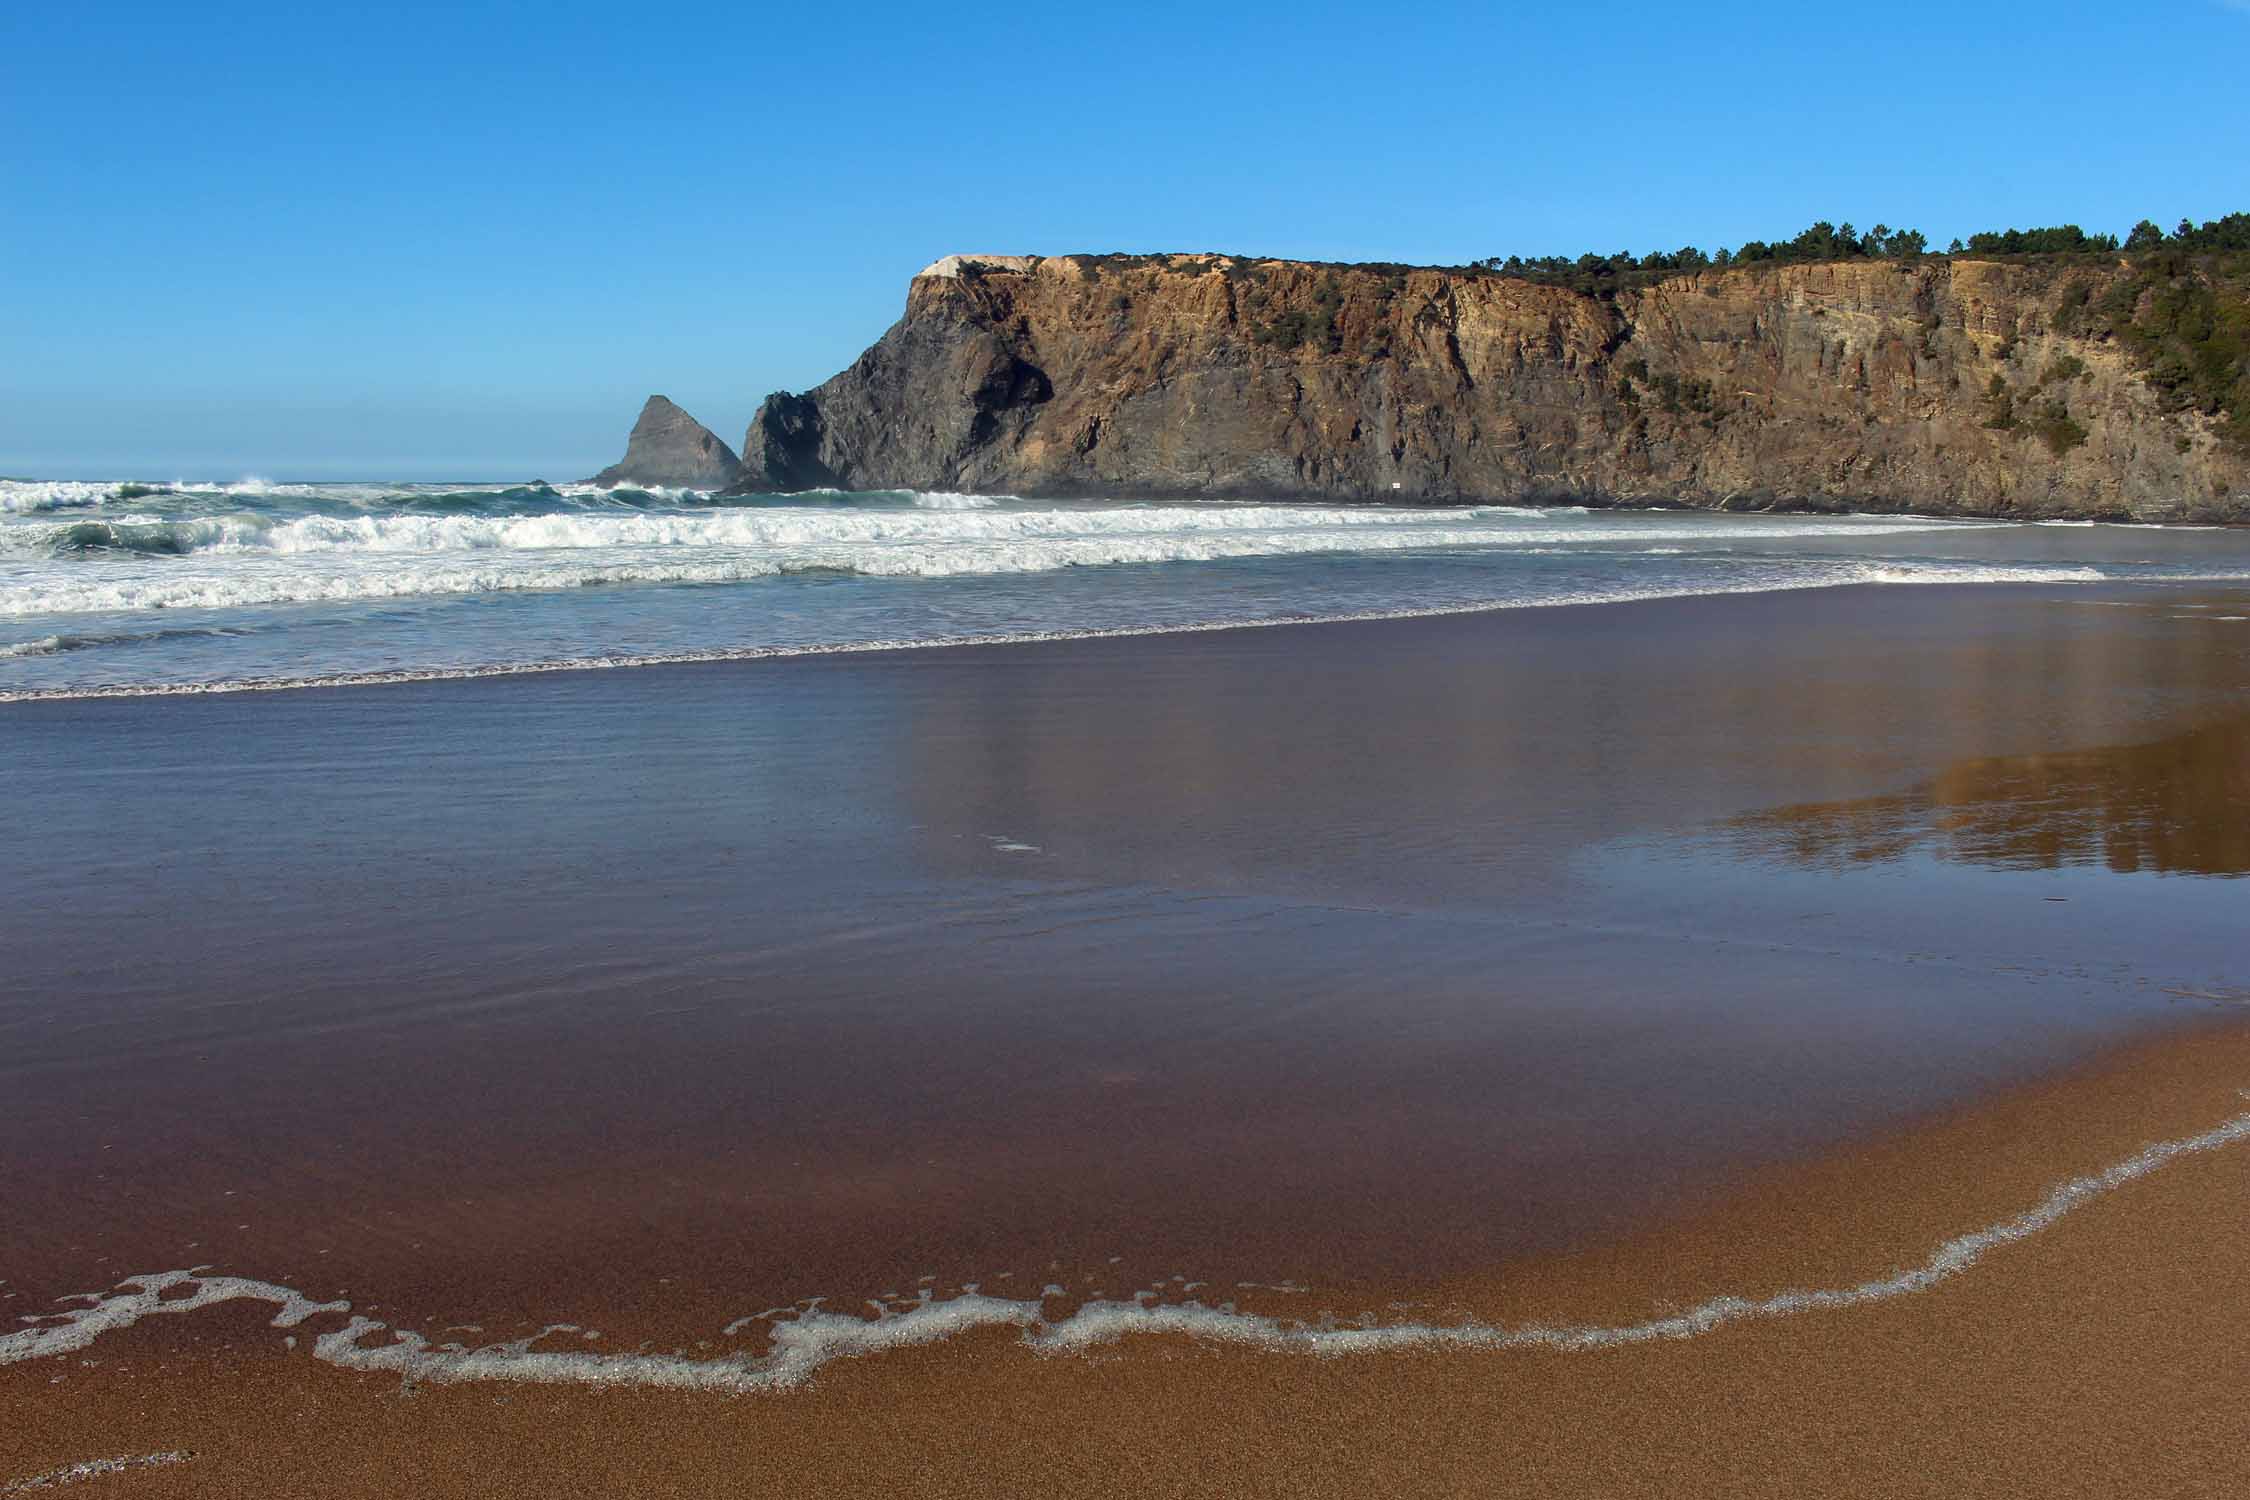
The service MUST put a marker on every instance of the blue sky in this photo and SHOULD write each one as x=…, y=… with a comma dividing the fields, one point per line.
x=465, y=240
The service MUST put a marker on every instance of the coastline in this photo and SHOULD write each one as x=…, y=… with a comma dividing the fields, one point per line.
x=2104, y=1351
x=857, y=976
x=335, y=590
x=726, y=656
x=1735, y=503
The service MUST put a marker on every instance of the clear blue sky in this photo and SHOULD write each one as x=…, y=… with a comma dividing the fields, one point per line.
x=465, y=240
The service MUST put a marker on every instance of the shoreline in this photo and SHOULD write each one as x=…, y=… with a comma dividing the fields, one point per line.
x=2123, y=1278
x=1614, y=991
x=1871, y=507
x=1659, y=502
x=876, y=650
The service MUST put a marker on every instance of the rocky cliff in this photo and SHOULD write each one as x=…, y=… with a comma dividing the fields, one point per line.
x=669, y=447
x=1937, y=385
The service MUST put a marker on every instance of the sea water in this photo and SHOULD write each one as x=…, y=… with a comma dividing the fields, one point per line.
x=882, y=991
x=109, y=588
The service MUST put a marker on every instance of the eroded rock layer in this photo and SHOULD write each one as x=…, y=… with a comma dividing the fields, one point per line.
x=1939, y=386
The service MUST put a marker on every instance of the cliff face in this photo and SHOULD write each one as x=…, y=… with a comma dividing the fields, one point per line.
x=669, y=447
x=1866, y=384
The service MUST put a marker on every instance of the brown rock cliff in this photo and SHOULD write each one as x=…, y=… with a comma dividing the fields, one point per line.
x=1863, y=385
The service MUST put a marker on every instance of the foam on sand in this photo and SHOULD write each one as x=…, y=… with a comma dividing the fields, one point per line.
x=803, y=1342
x=93, y=1468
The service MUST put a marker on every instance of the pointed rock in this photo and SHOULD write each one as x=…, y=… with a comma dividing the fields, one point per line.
x=669, y=447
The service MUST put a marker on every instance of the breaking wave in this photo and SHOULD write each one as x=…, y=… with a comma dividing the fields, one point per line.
x=803, y=1340
x=934, y=521
x=50, y=645
x=29, y=496
x=607, y=576
x=1836, y=577
x=217, y=562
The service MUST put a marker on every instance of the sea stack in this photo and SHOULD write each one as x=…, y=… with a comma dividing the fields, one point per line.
x=668, y=447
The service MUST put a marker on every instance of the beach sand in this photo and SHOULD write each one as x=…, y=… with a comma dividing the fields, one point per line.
x=2104, y=1355
x=1568, y=966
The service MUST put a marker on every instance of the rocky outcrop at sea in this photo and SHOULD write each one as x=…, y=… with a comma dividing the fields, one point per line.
x=671, y=449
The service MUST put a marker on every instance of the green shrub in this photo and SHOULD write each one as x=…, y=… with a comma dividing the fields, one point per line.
x=2187, y=325
x=2000, y=413
x=2070, y=307
x=2056, y=429
x=1676, y=395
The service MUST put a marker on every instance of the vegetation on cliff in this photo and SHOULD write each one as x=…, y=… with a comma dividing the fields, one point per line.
x=2048, y=372
x=2183, y=315
x=2185, y=320
x=1822, y=241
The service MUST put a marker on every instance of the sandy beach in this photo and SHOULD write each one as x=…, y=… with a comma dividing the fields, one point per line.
x=767, y=753
x=2099, y=1356
x=1543, y=969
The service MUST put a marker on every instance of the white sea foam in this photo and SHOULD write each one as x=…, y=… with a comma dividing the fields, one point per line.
x=801, y=1345
x=30, y=496
x=93, y=1468
x=1122, y=534
x=35, y=496
x=1839, y=575
x=254, y=560
x=258, y=487
x=676, y=494
x=1952, y=572
x=2135, y=525
x=87, y=579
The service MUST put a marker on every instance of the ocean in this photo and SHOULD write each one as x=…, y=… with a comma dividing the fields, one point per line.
x=950, y=932
x=113, y=588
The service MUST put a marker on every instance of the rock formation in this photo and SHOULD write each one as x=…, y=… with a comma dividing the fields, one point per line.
x=670, y=448
x=1933, y=385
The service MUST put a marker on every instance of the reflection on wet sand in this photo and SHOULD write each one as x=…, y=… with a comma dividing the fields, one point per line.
x=1465, y=763
x=2178, y=805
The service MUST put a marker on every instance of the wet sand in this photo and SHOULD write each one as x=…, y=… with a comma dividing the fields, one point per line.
x=1565, y=965
x=2104, y=1355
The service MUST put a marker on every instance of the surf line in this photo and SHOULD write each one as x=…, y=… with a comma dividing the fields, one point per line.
x=802, y=1345
x=700, y=656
